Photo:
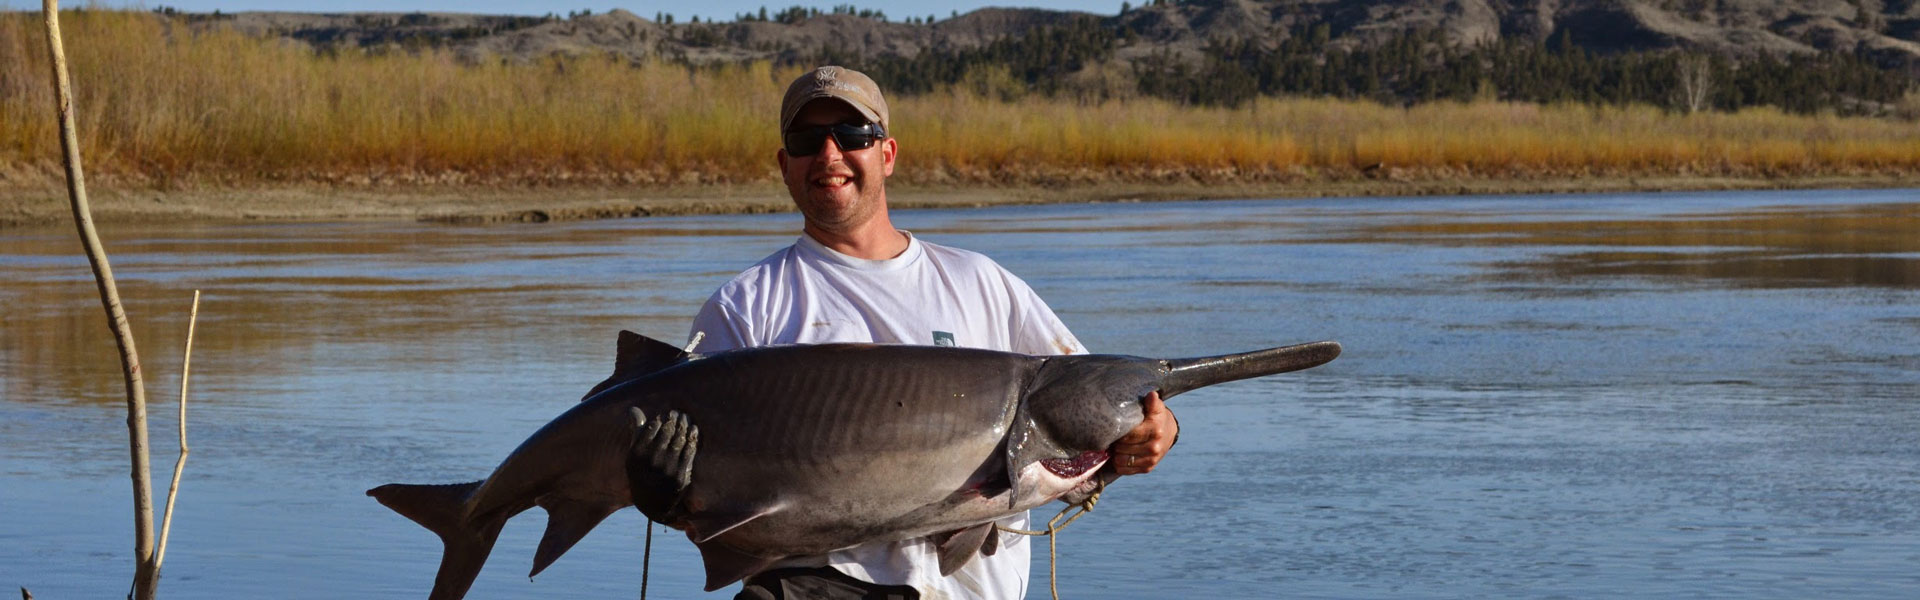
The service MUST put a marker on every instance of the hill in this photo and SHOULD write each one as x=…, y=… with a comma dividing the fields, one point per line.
x=1886, y=32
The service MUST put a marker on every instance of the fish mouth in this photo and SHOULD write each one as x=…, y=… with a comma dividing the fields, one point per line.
x=1069, y=468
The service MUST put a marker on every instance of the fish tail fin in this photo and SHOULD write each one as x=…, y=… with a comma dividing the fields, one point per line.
x=441, y=509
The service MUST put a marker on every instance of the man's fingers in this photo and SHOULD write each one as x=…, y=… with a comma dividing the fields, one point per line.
x=649, y=433
x=1153, y=448
x=673, y=439
x=1141, y=449
x=1152, y=410
x=679, y=435
x=1134, y=464
x=684, y=471
x=660, y=446
x=1153, y=405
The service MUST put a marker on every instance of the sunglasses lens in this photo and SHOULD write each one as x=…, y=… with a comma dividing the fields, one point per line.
x=807, y=142
x=852, y=138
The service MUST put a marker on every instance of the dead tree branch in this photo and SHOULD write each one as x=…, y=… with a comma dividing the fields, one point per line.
x=145, y=574
x=179, y=464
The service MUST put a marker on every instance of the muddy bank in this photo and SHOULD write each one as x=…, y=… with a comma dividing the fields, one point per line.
x=20, y=207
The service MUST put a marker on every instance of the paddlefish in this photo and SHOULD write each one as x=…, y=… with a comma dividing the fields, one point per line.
x=807, y=449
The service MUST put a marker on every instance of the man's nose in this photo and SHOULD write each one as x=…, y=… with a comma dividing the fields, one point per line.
x=830, y=150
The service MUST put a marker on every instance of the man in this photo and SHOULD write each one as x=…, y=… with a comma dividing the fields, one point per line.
x=852, y=277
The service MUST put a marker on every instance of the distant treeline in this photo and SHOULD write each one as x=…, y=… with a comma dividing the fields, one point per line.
x=1078, y=59
x=1039, y=61
x=1408, y=69
x=222, y=107
x=1423, y=67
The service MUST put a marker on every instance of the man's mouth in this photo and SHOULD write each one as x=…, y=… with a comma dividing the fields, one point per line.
x=832, y=181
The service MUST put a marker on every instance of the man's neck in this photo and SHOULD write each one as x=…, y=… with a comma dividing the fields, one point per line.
x=876, y=240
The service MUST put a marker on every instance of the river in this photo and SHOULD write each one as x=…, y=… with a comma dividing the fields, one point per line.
x=1708, y=395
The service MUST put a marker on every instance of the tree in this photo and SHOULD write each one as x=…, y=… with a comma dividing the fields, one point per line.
x=1693, y=75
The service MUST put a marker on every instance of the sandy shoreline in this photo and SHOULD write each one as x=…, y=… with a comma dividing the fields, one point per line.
x=25, y=207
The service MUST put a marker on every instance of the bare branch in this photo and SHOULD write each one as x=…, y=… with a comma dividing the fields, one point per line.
x=144, y=575
x=180, y=464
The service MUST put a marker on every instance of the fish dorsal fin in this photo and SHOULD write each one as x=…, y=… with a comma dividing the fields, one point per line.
x=637, y=356
x=959, y=546
x=567, y=522
x=706, y=524
x=726, y=565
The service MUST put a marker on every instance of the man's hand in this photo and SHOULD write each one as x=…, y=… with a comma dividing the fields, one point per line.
x=1140, y=449
x=662, y=462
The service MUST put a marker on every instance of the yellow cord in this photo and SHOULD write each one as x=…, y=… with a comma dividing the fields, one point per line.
x=1054, y=525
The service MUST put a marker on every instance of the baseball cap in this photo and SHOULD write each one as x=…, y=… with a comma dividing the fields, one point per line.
x=839, y=83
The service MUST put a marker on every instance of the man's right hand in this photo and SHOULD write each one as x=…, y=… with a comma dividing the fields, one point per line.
x=662, y=462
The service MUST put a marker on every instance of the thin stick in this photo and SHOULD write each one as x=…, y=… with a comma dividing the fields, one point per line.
x=180, y=465
x=646, y=560
x=144, y=575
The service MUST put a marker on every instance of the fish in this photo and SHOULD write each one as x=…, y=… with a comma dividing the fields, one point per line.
x=807, y=449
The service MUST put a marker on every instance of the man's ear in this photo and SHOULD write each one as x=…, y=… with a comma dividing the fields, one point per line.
x=780, y=156
x=888, y=148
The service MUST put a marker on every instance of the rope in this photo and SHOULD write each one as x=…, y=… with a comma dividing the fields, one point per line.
x=646, y=560
x=1054, y=525
x=646, y=555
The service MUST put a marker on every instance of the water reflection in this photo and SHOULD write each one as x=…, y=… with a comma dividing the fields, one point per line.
x=1875, y=245
x=1698, y=395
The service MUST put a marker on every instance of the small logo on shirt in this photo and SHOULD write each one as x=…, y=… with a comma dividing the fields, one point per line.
x=942, y=338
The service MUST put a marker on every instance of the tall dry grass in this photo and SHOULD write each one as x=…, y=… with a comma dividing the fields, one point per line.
x=163, y=103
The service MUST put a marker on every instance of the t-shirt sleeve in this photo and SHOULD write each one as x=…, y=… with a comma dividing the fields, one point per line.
x=1035, y=329
x=719, y=327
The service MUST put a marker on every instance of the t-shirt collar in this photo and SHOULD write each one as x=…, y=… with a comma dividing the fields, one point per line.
x=907, y=257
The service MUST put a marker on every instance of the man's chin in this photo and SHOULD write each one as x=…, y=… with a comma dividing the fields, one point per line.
x=833, y=201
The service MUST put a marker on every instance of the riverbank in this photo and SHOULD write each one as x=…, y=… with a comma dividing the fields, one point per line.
x=25, y=207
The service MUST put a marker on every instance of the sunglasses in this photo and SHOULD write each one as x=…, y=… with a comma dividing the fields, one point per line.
x=806, y=141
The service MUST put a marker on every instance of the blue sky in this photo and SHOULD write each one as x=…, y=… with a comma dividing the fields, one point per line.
x=708, y=9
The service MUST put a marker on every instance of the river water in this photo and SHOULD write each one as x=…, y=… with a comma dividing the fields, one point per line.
x=1707, y=395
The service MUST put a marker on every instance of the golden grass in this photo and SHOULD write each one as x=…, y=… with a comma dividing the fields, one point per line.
x=160, y=103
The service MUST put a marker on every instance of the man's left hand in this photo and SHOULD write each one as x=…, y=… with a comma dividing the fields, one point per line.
x=1140, y=449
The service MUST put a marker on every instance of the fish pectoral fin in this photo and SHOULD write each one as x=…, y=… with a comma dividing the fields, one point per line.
x=567, y=522
x=709, y=523
x=726, y=565
x=959, y=546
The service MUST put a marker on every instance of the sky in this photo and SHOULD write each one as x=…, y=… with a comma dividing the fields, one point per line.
x=724, y=10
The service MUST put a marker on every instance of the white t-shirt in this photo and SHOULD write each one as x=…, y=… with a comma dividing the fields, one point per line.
x=808, y=293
